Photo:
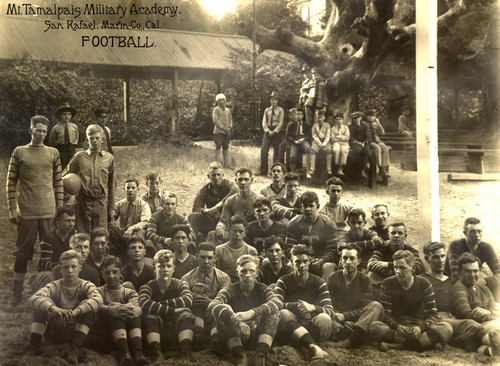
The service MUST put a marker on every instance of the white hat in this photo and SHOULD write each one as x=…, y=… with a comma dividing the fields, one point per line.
x=219, y=97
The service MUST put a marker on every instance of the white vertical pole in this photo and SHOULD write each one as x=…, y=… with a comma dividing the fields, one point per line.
x=125, y=103
x=427, y=131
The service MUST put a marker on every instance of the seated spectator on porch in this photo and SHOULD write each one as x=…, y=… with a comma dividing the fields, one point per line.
x=298, y=136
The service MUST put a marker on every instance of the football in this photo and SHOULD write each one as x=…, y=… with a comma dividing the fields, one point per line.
x=72, y=183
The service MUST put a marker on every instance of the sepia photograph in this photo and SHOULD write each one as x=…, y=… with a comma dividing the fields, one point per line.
x=250, y=182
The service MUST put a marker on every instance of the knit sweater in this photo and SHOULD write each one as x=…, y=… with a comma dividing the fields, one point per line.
x=85, y=297
x=37, y=169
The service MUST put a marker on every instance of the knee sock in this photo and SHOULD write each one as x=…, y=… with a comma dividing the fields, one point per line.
x=122, y=347
x=185, y=345
x=35, y=339
x=262, y=348
x=306, y=340
x=78, y=339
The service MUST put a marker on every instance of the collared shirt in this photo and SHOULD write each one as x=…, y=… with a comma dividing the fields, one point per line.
x=321, y=133
x=209, y=284
x=339, y=133
x=105, y=146
x=155, y=202
x=222, y=119
x=56, y=136
x=140, y=214
x=273, y=119
x=97, y=172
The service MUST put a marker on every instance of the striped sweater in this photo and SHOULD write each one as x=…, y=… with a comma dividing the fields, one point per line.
x=37, y=169
x=261, y=299
x=464, y=299
x=314, y=291
x=402, y=306
x=153, y=301
x=123, y=295
x=51, y=248
x=86, y=296
x=377, y=261
x=368, y=242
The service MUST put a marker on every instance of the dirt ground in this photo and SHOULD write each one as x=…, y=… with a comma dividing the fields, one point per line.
x=183, y=172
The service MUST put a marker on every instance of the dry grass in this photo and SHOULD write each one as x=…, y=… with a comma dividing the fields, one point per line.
x=184, y=172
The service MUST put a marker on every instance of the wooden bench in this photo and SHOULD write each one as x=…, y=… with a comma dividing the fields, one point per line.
x=475, y=154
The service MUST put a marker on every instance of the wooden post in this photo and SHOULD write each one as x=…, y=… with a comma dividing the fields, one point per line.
x=427, y=153
x=175, y=120
x=126, y=104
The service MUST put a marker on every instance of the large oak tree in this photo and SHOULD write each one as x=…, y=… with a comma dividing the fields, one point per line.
x=373, y=41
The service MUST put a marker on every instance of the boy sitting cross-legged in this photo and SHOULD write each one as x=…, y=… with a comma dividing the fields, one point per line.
x=166, y=304
x=63, y=301
x=121, y=313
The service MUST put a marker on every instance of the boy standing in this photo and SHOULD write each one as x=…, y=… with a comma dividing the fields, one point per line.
x=272, y=124
x=32, y=207
x=223, y=124
x=96, y=169
x=65, y=299
x=64, y=135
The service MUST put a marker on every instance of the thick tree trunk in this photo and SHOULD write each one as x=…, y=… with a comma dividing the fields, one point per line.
x=364, y=38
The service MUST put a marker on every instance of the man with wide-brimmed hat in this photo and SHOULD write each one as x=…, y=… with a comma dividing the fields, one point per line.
x=64, y=135
x=272, y=124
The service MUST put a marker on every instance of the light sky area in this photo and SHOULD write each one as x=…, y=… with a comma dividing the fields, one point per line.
x=219, y=7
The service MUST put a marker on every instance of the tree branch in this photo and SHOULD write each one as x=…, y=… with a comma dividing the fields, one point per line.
x=283, y=39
